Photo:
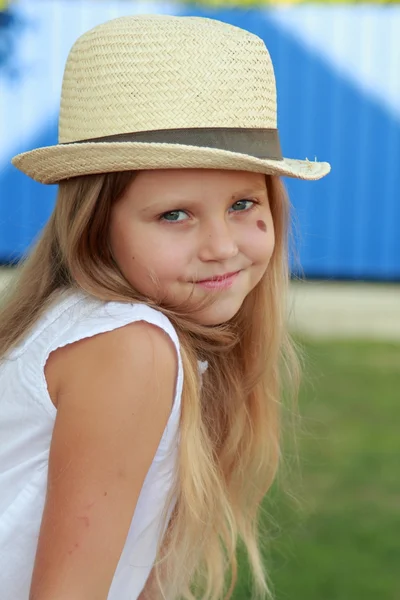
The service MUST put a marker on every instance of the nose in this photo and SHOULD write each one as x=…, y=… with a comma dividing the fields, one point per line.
x=218, y=242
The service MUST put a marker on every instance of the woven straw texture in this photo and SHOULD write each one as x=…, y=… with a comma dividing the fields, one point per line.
x=155, y=72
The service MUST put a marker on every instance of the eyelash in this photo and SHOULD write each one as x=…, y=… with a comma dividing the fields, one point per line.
x=254, y=203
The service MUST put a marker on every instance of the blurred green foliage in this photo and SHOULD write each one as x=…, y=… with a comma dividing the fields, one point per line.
x=339, y=539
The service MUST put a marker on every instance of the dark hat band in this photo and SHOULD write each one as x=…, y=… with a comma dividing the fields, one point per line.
x=260, y=143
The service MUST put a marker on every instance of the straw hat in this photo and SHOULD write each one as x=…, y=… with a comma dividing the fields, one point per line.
x=161, y=91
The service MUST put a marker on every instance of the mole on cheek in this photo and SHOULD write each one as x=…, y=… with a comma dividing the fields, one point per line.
x=261, y=225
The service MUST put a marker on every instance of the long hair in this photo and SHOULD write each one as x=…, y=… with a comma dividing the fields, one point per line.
x=230, y=427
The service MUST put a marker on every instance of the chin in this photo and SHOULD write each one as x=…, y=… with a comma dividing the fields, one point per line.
x=217, y=315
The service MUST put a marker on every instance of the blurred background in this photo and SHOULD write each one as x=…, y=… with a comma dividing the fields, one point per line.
x=337, y=65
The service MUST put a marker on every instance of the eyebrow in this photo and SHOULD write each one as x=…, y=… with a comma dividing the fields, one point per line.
x=247, y=191
x=157, y=205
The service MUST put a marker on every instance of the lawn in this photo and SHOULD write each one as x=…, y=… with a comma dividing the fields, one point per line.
x=339, y=538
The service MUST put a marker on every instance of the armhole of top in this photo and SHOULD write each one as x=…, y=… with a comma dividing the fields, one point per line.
x=110, y=317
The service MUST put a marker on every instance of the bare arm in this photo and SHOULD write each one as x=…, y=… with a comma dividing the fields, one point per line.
x=115, y=399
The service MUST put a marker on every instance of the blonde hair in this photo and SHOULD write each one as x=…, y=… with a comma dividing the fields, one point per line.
x=231, y=429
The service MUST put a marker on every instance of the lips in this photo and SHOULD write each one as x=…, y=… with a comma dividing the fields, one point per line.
x=218, y=277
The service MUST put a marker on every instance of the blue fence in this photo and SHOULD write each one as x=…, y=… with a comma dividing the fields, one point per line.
x=338, y=80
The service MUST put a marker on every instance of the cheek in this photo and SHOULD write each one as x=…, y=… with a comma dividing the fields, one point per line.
x=117, y=242
x=140, y=249
x=262, y=239
x=167, y=260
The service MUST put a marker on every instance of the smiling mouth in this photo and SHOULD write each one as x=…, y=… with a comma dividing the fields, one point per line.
x=219, y=282
x=218, y=277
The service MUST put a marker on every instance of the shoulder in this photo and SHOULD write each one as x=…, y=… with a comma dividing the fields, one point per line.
x=118, y=357
x=125, y=347
x=111, y=332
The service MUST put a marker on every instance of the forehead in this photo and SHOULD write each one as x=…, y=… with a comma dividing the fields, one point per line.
x=195, y=183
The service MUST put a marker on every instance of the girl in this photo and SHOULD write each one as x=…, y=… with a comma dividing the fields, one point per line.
x=144, y=345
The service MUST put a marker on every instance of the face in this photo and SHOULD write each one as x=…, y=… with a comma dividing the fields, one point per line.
x=195, y=231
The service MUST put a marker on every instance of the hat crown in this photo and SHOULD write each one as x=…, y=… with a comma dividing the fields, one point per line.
x=152, y=72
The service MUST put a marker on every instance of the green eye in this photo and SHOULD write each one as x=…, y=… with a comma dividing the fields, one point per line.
x=173, y=216
x=242, y=205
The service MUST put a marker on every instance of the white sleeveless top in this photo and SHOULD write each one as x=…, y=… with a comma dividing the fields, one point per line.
x=27, y=417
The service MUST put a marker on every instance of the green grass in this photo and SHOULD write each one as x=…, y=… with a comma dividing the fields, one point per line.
x=340, y=538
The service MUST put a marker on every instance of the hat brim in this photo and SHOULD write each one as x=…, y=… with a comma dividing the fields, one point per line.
x=52, y=164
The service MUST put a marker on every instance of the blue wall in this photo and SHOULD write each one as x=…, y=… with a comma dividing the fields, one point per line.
x=349, y=221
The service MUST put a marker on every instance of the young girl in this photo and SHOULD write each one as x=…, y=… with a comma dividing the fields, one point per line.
x=144, y=344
